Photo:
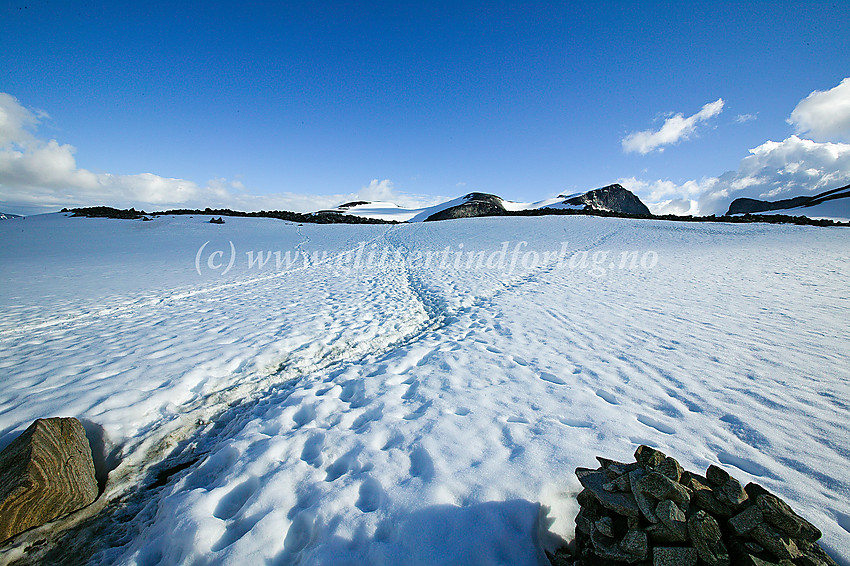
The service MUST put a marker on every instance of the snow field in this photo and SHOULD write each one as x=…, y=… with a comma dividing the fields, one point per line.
x=435, y=416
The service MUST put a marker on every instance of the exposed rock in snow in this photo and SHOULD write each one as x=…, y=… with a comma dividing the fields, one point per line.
x=613, y=198
x=474, y=204
x=45, y=473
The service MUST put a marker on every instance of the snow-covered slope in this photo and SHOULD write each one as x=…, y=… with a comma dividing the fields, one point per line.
x=419, y=393
x=390, y=211
x=836, y=209
x=557, y=202
x=832, y=205
x=379, y=210
x=612, y=198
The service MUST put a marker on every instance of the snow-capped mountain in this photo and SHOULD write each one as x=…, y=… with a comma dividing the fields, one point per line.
x=7, y=216
x=611, y=198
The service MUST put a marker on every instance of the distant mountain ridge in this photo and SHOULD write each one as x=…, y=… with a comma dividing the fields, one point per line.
x=611, y=198
x=754, y=206
x=7, y=216
x=825, y=209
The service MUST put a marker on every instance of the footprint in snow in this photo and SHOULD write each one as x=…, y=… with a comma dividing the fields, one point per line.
x=370, y=415
x=321, y=392
x=411, y=391
x=354, y=393
x=576, y=423
x=380, y=370
x=271, y=428
x=421, y=464
x=606, y=396
x=507, y=439
x=426, y=358
x=418, y=412
x=341, y=465
x=235, y=531
x=312, y=451
x=395, y=439
x=744, y=464
x=745, y=432
x=652, y=423
x=371, y=495
x=229, y=505
x=551, y=378
x=300, y=532
x=304, y=415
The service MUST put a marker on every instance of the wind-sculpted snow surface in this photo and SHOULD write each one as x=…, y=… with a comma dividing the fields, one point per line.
x=406, y=410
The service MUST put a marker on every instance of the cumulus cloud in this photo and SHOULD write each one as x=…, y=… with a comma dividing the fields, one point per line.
x=38, y=175
x=824, y=115
x=15, y=121
x=675, y=129
x=385, y=191
x=668, y=197
x=771, y=171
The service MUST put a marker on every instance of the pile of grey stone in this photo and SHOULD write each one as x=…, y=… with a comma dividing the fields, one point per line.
x=651, y=511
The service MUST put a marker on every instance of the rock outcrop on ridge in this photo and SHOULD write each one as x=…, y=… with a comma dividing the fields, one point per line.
x=46, y=472
x=651, y=511
x=475, y=204
x=611, y=198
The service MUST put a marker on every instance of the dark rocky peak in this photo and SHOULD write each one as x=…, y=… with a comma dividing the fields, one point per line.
x=474, y=204
x=614, y=198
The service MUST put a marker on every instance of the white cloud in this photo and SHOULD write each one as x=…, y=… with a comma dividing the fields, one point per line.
x=38, y=175
x=824, y=115
x=677, y=207
x=675, y=129
x=667, y=197
x=15, y=121
x=772, y=171
x=744, y=118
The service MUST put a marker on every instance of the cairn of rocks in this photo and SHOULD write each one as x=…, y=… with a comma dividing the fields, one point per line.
x=651, y=511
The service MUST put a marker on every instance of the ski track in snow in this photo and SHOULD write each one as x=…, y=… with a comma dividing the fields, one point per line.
x=420, y=415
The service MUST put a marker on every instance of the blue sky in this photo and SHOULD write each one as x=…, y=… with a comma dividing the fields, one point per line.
x=301, y=106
